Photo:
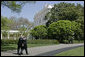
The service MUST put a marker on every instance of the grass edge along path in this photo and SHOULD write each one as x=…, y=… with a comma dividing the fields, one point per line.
x=14, y=46
x=73, y=52
x=31, y=43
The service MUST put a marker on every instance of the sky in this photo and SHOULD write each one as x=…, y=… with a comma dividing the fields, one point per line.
x=29, y=10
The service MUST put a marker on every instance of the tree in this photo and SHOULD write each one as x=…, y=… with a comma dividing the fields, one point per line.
x=5, y=23
x=15, y=6
x=81, y=22
x=64, y=11
x=13, y=25
x=62, y=30
x=24, y=22
x=18, y=23
x=39, y=32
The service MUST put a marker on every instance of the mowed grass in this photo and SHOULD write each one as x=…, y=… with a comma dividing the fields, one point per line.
x=14, y=46
x=74, y=52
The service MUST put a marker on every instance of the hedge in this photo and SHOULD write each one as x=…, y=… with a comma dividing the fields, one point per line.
x=43, y=41
x=8, y=41
x=38, y=41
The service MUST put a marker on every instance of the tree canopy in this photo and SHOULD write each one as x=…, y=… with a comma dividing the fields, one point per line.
x=15, y=6
x=15, y=23
x=64, y=11
x=4, y=23
x=39, y=32
x=62, y=29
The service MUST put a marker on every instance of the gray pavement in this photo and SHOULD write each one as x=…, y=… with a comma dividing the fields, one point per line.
x=43, y=50
x=52, y=53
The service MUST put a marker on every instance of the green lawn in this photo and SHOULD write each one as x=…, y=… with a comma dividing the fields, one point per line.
x=74, y=52
x=14, y=46
x=32, y=43
x=75, y=41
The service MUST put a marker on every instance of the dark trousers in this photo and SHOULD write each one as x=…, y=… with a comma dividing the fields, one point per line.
x=18, y=49
x=24, y=49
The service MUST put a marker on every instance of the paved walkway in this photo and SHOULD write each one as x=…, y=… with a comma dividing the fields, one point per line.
x=52, y=53
x=34, y=51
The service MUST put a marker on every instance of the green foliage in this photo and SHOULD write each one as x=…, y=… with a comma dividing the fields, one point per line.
x=23, y=31
x=43, y=41
x=68, y=13
x=77, y=30
x=4, y=34
x=39, y=32
x=8, y=41
x=73, y=52
x=5, y=23
x=39, y=41
x=76, y=41
x=66, y=41
x=12, y=44
x=81, y=21
x=63, y=30
x=64, y=11
x=15, y=6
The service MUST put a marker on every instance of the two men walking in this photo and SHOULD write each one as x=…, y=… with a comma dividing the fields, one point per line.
x=22, y=44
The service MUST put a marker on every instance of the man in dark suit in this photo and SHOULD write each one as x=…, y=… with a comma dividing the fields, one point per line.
x=19, y=44
x=24, y=45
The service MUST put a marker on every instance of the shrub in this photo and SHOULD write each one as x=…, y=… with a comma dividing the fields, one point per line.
x=41, y=41
x=39, y=32
x=62, y=29
x=66, y=41
x=8, y=41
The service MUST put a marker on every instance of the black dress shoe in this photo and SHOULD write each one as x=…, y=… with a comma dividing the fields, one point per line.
x=27, y=53
x=22, y=53
x=17, y=53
